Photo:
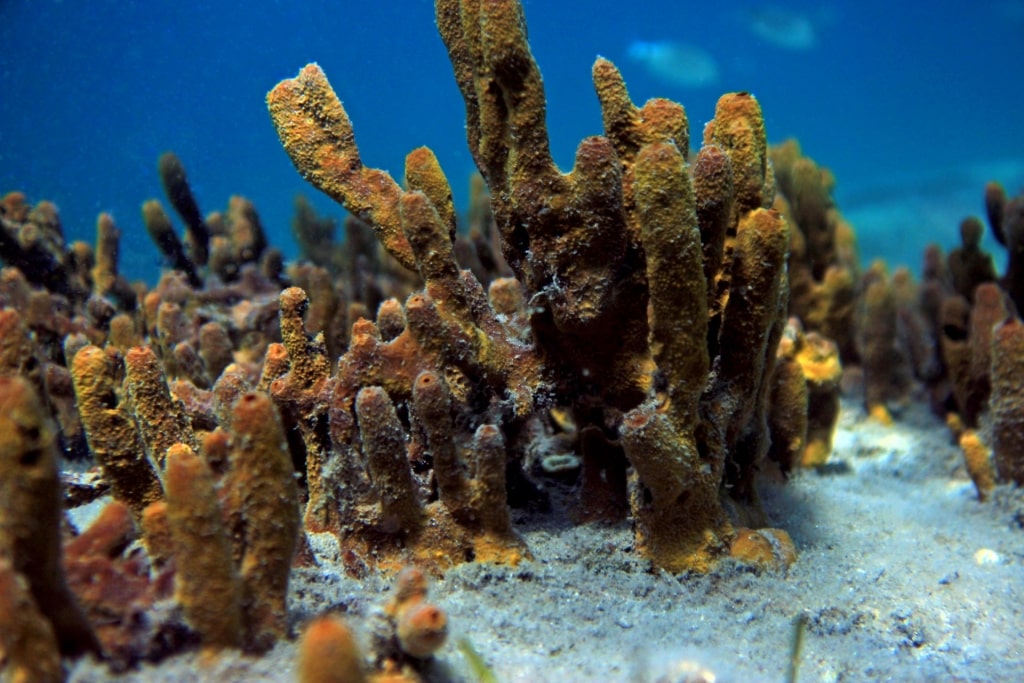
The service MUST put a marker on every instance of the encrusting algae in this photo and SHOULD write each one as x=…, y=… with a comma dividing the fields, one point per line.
x=656, y=325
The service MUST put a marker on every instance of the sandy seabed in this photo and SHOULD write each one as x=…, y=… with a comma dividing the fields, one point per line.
x=902, y=575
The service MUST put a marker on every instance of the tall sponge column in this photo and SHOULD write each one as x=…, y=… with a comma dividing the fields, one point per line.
x=1007, y=400
x=30, y=517
x=675, y=276
x=262, y=481
x=110, y=430
x=206, y=585
x=328, y=653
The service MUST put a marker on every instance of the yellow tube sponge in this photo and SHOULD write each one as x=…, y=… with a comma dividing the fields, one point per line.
x=261, y=479
x=206, y=584
x=160, y=418
x=328, y=653
x=30, y=515
x=318, y=136
x=110, y=431
x=28, y=647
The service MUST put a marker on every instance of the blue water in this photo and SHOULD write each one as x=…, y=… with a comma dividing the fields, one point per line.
x=894, y=96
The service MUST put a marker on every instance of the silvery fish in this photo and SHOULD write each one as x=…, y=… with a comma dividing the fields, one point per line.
x=679, y=64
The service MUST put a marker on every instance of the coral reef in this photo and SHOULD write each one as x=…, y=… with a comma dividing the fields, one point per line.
x=973, y=321
x=636, y=338
x=823, y=267
x=1006, y=219
x=591, y=251
x=32, y=240
x=804, y=398
x=44, y=618
x=884, y=349
x=1006, y=403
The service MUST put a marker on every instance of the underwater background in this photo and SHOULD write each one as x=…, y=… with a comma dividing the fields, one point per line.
x=912, y=106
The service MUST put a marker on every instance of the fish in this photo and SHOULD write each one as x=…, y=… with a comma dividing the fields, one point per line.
x=782, y=27
x=678, y=64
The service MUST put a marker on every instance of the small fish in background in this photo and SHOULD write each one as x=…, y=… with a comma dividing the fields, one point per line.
x=679, y=64
x=782, y=27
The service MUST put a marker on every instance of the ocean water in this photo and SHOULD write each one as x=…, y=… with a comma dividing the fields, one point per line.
x=912, y=106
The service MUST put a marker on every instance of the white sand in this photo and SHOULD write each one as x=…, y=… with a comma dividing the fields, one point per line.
x=902, y=575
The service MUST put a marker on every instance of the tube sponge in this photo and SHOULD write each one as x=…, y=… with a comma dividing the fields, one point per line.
x=328, y=653
x=206, y=585
x=421, y=627
x=1007, y=401
x=30, y=517
x=262, y=481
